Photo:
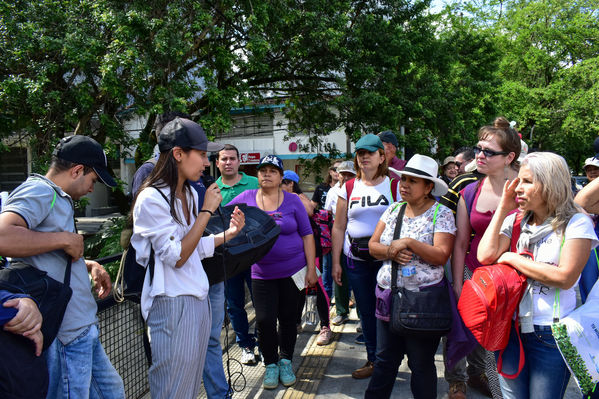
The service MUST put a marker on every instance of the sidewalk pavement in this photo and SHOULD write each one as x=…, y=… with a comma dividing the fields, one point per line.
x=325, y=371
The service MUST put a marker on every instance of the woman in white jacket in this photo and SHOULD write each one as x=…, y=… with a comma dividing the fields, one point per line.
x=168, y=225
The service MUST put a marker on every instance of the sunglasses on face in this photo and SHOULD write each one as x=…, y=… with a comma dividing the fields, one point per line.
x=488, y=153
x=459, y=164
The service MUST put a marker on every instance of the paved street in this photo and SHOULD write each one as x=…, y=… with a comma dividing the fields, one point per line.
x=325, y=371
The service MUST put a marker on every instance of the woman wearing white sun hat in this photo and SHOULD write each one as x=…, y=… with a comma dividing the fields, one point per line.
x=426, y=241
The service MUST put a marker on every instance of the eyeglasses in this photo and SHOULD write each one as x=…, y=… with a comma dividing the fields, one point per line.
x=488, y=153
x=459, y=164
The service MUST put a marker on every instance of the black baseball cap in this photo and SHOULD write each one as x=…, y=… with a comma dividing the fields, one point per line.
x=86, y=151
x=184, y=133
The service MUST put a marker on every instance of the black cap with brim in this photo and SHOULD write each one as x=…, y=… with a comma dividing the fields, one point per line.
x=84, y=150
x=185, y=133
x=105, y=177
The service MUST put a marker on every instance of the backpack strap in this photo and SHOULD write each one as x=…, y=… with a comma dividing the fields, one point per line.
x=349, y=187
x=516, y=230
x=469, y=193
x=435, y=215
x=152, y=260
x=67, y=271
x=521, y=359
x=393, y=184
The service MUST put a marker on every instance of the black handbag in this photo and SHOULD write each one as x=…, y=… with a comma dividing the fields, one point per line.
x=52, y=296
x=22, y=374
x=359, y=248
x=249, y=246
x=418, y=313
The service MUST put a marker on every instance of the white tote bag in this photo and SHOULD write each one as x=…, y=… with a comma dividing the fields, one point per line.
x=577, y=337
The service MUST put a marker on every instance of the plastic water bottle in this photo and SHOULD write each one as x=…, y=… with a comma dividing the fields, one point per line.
x=311, y=313
x=408, y=275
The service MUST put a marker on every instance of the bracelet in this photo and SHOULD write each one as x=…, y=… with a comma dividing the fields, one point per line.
x=207, y=211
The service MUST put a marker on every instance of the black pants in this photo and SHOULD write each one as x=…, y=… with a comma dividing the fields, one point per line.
x=321, y=306
x=390, y=351
x=276, y=300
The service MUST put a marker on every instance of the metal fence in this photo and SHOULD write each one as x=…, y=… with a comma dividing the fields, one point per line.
x=121, y=334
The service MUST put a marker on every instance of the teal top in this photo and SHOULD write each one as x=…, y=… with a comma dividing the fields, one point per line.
x=230, y=192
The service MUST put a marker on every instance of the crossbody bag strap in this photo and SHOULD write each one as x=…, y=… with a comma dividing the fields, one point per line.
x=396, y=235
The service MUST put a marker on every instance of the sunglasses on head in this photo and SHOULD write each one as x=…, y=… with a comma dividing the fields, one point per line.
x=488, y=153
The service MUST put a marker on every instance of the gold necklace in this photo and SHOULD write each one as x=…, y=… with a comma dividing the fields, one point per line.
x=276, y=205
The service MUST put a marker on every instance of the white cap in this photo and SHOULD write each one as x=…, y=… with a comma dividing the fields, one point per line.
x=591, y=162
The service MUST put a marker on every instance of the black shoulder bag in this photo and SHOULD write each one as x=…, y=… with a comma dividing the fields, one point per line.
x=418, y=313
x=22, y=374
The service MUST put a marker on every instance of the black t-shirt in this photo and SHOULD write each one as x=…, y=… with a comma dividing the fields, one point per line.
x=320, y=194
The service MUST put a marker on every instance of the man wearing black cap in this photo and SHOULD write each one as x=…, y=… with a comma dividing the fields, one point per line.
x=390, y=142
x=37, y=227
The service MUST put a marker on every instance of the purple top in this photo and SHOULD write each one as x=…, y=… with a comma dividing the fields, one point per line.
x=479, y=222
x=287, y=255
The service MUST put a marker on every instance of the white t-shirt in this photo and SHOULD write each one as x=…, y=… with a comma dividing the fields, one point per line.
x=330, y=203
x=420, y=228
x=153, y=223
x=548, y=251
x=364, y=208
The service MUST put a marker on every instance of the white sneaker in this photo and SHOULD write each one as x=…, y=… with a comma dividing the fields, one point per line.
x=248, y=356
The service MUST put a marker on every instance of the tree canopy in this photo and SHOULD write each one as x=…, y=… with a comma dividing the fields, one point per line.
x=84, y=66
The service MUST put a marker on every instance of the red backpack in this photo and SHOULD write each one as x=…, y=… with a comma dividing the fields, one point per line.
x=489, y=300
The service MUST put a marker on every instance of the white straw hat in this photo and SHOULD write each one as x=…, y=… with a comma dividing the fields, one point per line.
x=425, y=168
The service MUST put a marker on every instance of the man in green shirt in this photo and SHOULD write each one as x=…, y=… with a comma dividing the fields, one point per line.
x=232, y=182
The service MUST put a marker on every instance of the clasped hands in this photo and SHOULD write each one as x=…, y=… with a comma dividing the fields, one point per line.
x=399, y=252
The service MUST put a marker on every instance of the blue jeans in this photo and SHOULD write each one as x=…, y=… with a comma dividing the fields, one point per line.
x=545, y=374
x=362, y=277
x=390, y=350
x=327, y=277
x=235, y=294
x=215, y=381
x=81, y=369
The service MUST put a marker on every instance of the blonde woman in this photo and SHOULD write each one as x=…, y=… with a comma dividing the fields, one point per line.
x=559, y=237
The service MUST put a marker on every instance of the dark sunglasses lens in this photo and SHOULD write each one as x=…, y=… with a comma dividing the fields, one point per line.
x=488, y=153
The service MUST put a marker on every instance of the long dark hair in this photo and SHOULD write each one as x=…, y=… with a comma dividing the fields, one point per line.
x=166, y=174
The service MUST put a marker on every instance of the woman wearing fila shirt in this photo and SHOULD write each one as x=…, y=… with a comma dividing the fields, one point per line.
x=355, y=218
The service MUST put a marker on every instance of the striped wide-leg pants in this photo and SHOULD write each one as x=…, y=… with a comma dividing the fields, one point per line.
x=179, y=329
